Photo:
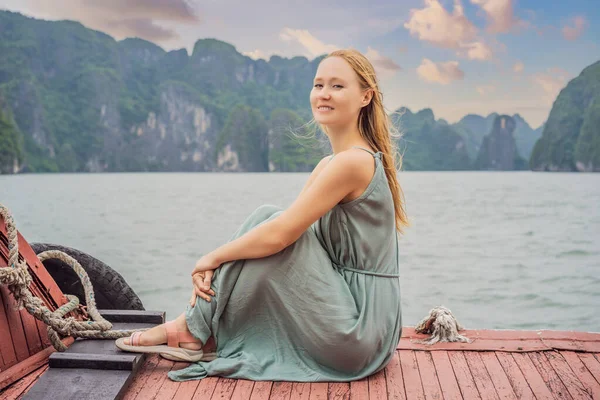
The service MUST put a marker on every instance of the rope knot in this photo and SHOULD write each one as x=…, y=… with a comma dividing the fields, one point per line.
x=442, y=325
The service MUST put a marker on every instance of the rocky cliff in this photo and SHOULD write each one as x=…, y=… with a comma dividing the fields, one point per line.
x=84, y=102
x=498, y=149
x=571, y=137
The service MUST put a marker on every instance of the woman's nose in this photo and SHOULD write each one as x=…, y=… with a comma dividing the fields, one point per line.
x=324, y=94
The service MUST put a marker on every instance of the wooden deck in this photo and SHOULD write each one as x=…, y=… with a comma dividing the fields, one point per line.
x=496, y=365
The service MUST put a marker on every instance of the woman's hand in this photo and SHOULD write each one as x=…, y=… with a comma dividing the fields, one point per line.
x=201, y=281
x=206, y=263
x=202, y=277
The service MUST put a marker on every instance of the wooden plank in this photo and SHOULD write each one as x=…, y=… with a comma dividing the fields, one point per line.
x=534, y=378
x=549, y=376
x=169, y=388
x=15, y=325
x=224, y=389
x=31, y=333
x=28, y=365
x=243, y=390
x=592, y=387
x=481, y=376
x=281, y=390
x=498, y=376
x=359, y=390
x=463, y=376
x=515, y=376
x=479, y=345
x=206, y=388
x=592, y=364
x=142, y=377
x=411, y=376
x=186, y=390
x=429, y=378
x=446, y=376
x=43, y=332
x=394, y=380
x=261, y=390
x=7, y=347
x=156, y=379
x=567, y=376
x=507, y=334
x=338, y=391
x=301, y=391
x=318, y=391
x=17, y=333
x=377, y=386
x=22, y=386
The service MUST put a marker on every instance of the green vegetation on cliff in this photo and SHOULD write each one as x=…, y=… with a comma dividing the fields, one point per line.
x=11, y=153
x=571, y=137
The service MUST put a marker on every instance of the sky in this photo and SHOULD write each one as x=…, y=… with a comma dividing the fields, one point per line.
x=456, y=57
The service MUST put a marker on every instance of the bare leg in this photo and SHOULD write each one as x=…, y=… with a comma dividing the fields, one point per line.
x=158, y=335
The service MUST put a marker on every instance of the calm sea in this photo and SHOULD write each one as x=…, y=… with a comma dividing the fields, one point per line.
x=502, y=250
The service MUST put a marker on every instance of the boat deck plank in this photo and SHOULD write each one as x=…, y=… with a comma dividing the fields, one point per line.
x=583, y=374
x=516, y=378
x=18, y=389
x=243, y=390
x=413, y=373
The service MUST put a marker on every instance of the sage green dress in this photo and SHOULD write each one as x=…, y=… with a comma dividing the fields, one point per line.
x=325, y=308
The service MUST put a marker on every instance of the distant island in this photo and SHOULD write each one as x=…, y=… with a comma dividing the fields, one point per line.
x=75, y=100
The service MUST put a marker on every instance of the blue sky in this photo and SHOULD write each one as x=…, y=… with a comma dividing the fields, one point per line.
x=455, y=57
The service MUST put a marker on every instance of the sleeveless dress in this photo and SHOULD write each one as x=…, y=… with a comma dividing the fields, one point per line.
x=325, y=308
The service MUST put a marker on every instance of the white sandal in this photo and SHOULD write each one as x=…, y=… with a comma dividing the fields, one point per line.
x=171, y=350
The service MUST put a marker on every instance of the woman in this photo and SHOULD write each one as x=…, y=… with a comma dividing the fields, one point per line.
x=310, y=293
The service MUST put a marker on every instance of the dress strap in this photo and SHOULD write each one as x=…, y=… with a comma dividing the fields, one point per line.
x=376, y=155
x=362, y=148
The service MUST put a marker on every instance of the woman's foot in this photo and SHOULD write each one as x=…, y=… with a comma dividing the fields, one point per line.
x=158, y=335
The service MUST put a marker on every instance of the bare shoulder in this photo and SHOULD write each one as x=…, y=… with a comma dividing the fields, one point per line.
x=358, y=163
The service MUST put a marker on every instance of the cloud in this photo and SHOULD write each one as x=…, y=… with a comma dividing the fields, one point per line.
x=518, y=67
x=139, y=18
x=485, y=89
x=384, y=66
x=443, y=73
x=437, y=26
x=256, y=54
x=499, y=14
x=312, y=46
x=551, y=82
x=573, y=32
x=477, y=51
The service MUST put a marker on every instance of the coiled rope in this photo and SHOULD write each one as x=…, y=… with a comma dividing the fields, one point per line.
x=16, y=276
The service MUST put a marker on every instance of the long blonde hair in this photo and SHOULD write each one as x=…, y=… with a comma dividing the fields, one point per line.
x=376, y=128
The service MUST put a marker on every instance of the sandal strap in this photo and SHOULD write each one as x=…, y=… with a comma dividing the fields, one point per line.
x=174, y=337
x=135, y=338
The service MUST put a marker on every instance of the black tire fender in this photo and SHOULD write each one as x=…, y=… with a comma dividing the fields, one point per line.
x=110, y=288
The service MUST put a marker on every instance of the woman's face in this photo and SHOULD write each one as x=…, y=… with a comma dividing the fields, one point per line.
x=336, y=97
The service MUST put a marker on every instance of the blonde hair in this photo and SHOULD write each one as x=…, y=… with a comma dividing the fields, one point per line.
x=376, y=128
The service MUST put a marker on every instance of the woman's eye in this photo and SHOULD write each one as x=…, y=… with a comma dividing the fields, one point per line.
x=340, y=86
x=318, y=85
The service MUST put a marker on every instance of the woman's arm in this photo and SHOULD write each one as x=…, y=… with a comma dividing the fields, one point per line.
x=263, y=240
x=344, y=174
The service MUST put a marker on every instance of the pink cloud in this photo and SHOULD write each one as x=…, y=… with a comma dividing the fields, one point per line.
x=551, y=82
x=121, y=19
x=499, y=13
x=572, y=32
x=442, y=73
x=434, y=24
